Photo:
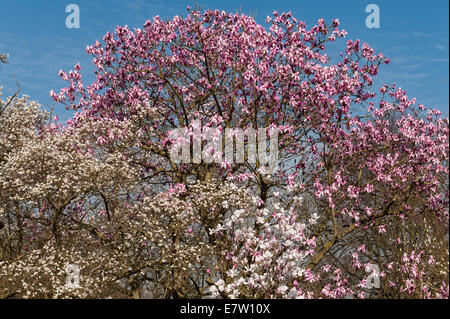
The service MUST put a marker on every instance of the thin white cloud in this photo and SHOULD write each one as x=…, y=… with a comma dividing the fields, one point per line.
x=440, y=47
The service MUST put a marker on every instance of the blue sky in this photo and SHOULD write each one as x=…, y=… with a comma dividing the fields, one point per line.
x=414, y=34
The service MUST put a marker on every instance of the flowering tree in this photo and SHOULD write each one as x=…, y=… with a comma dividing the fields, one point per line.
x=361, y=179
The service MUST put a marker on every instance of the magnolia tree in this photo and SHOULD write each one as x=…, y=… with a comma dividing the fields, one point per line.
x=355, y=205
